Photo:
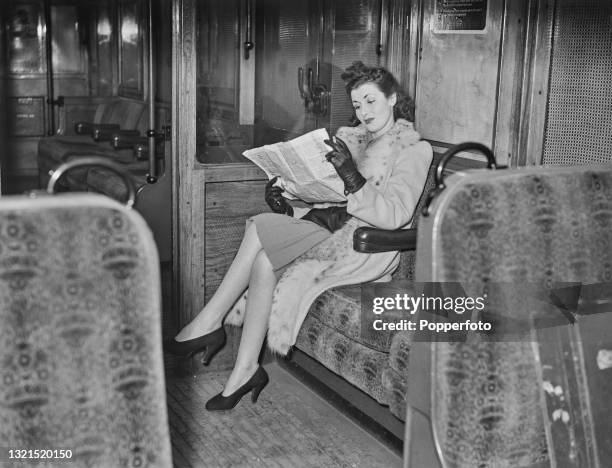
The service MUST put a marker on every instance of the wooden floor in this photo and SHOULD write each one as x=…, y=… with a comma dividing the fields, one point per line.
x=289, y=426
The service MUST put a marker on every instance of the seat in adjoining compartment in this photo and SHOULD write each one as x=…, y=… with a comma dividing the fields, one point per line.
x=58, y=149
x=81, y=356
x=499, y=399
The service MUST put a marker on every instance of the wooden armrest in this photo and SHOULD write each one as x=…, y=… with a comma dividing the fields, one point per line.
x=370, y=240
x=87, y=128
x=106, y=134
x=124, y=141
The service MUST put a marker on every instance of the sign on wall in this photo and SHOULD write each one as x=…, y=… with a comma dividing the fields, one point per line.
x=460, y=16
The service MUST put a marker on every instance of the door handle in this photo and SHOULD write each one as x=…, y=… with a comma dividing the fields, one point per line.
x=248, y=45
x=305, y=87
x=320, y=99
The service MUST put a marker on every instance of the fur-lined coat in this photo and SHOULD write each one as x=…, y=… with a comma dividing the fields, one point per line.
x=395, y=166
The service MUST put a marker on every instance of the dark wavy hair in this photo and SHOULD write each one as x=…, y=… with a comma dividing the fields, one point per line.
x=358, y=74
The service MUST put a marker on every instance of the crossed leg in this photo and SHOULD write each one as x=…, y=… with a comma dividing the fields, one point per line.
x=251, y=267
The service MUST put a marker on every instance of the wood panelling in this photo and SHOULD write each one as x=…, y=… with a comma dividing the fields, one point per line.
x=228, y=205
x=457, y=80
x=188, y=184
x=507, y=120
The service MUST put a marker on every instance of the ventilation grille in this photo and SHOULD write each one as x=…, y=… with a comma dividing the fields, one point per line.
x=579, y=119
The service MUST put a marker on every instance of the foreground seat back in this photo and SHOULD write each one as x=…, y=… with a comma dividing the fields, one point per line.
x=539, y=399
x=81, y=358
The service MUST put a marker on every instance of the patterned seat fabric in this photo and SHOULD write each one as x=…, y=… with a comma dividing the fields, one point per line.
x=81, y=341
x=332, y=334
x=540, y=226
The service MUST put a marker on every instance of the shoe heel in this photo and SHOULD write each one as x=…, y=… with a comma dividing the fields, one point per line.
x=257, y=391
x=211, y=351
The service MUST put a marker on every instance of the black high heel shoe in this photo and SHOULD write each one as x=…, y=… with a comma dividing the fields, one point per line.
x=256, y=384
x=212, y=342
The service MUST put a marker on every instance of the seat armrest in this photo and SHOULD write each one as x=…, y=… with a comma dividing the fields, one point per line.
x=124, y=141
x=87, y=128
x=106, y=134
x=371, y=240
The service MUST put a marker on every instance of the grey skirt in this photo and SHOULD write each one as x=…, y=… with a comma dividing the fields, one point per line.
x=285, y=238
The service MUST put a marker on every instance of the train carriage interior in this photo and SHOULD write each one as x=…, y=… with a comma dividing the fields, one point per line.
x=126, y=195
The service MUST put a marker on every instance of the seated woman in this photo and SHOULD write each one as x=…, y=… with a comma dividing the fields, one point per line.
x=383, y=165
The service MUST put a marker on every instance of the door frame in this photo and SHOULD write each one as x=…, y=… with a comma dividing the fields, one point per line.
x=183, y=148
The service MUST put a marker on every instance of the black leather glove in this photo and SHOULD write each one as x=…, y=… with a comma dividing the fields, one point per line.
x=332, y=218
x=275, y=200
x=343, y=162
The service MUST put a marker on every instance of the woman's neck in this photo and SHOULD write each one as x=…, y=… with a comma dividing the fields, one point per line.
x=388, y=126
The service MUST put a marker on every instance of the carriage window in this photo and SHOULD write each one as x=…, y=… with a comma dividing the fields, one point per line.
x=131, y=68
x=219, y=137
x=66, y=43
x=26, y=39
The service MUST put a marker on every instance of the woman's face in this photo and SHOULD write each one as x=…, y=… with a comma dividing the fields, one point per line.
x=373, y=108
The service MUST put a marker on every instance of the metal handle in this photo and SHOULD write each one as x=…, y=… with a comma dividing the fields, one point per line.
x=379, y=46
x=49, y=65
x=152, y=175
x=300, y=78
x=309, y=82
x=94, y=161
x=305, y=88
x=320, y=99
x=248, y=45
x=452, y=151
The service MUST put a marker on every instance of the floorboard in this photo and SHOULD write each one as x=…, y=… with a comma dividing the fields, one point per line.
x=290, y=426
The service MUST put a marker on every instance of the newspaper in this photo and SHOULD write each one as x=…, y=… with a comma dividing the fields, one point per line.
x=303, y=171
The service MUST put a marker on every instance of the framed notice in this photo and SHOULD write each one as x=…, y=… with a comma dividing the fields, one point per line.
x=460, y=16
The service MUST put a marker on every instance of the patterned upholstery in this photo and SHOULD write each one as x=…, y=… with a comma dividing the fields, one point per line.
x=332, y=334
x=335, y=340
x=395, y=376
x=541, y=226
x=81, y=341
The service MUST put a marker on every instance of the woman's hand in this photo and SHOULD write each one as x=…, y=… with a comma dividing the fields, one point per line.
x=275, y=200
x=343, y=162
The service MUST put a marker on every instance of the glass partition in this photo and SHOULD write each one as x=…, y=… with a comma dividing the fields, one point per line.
x=290, y=81
x=220, y=138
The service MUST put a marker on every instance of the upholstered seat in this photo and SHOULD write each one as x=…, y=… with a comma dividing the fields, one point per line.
x=334, y=335
x=81, y=332
x=109, y=184
x=496, y=400
x=58, y=149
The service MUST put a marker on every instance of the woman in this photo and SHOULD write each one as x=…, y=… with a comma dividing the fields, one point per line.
x=383, y=165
